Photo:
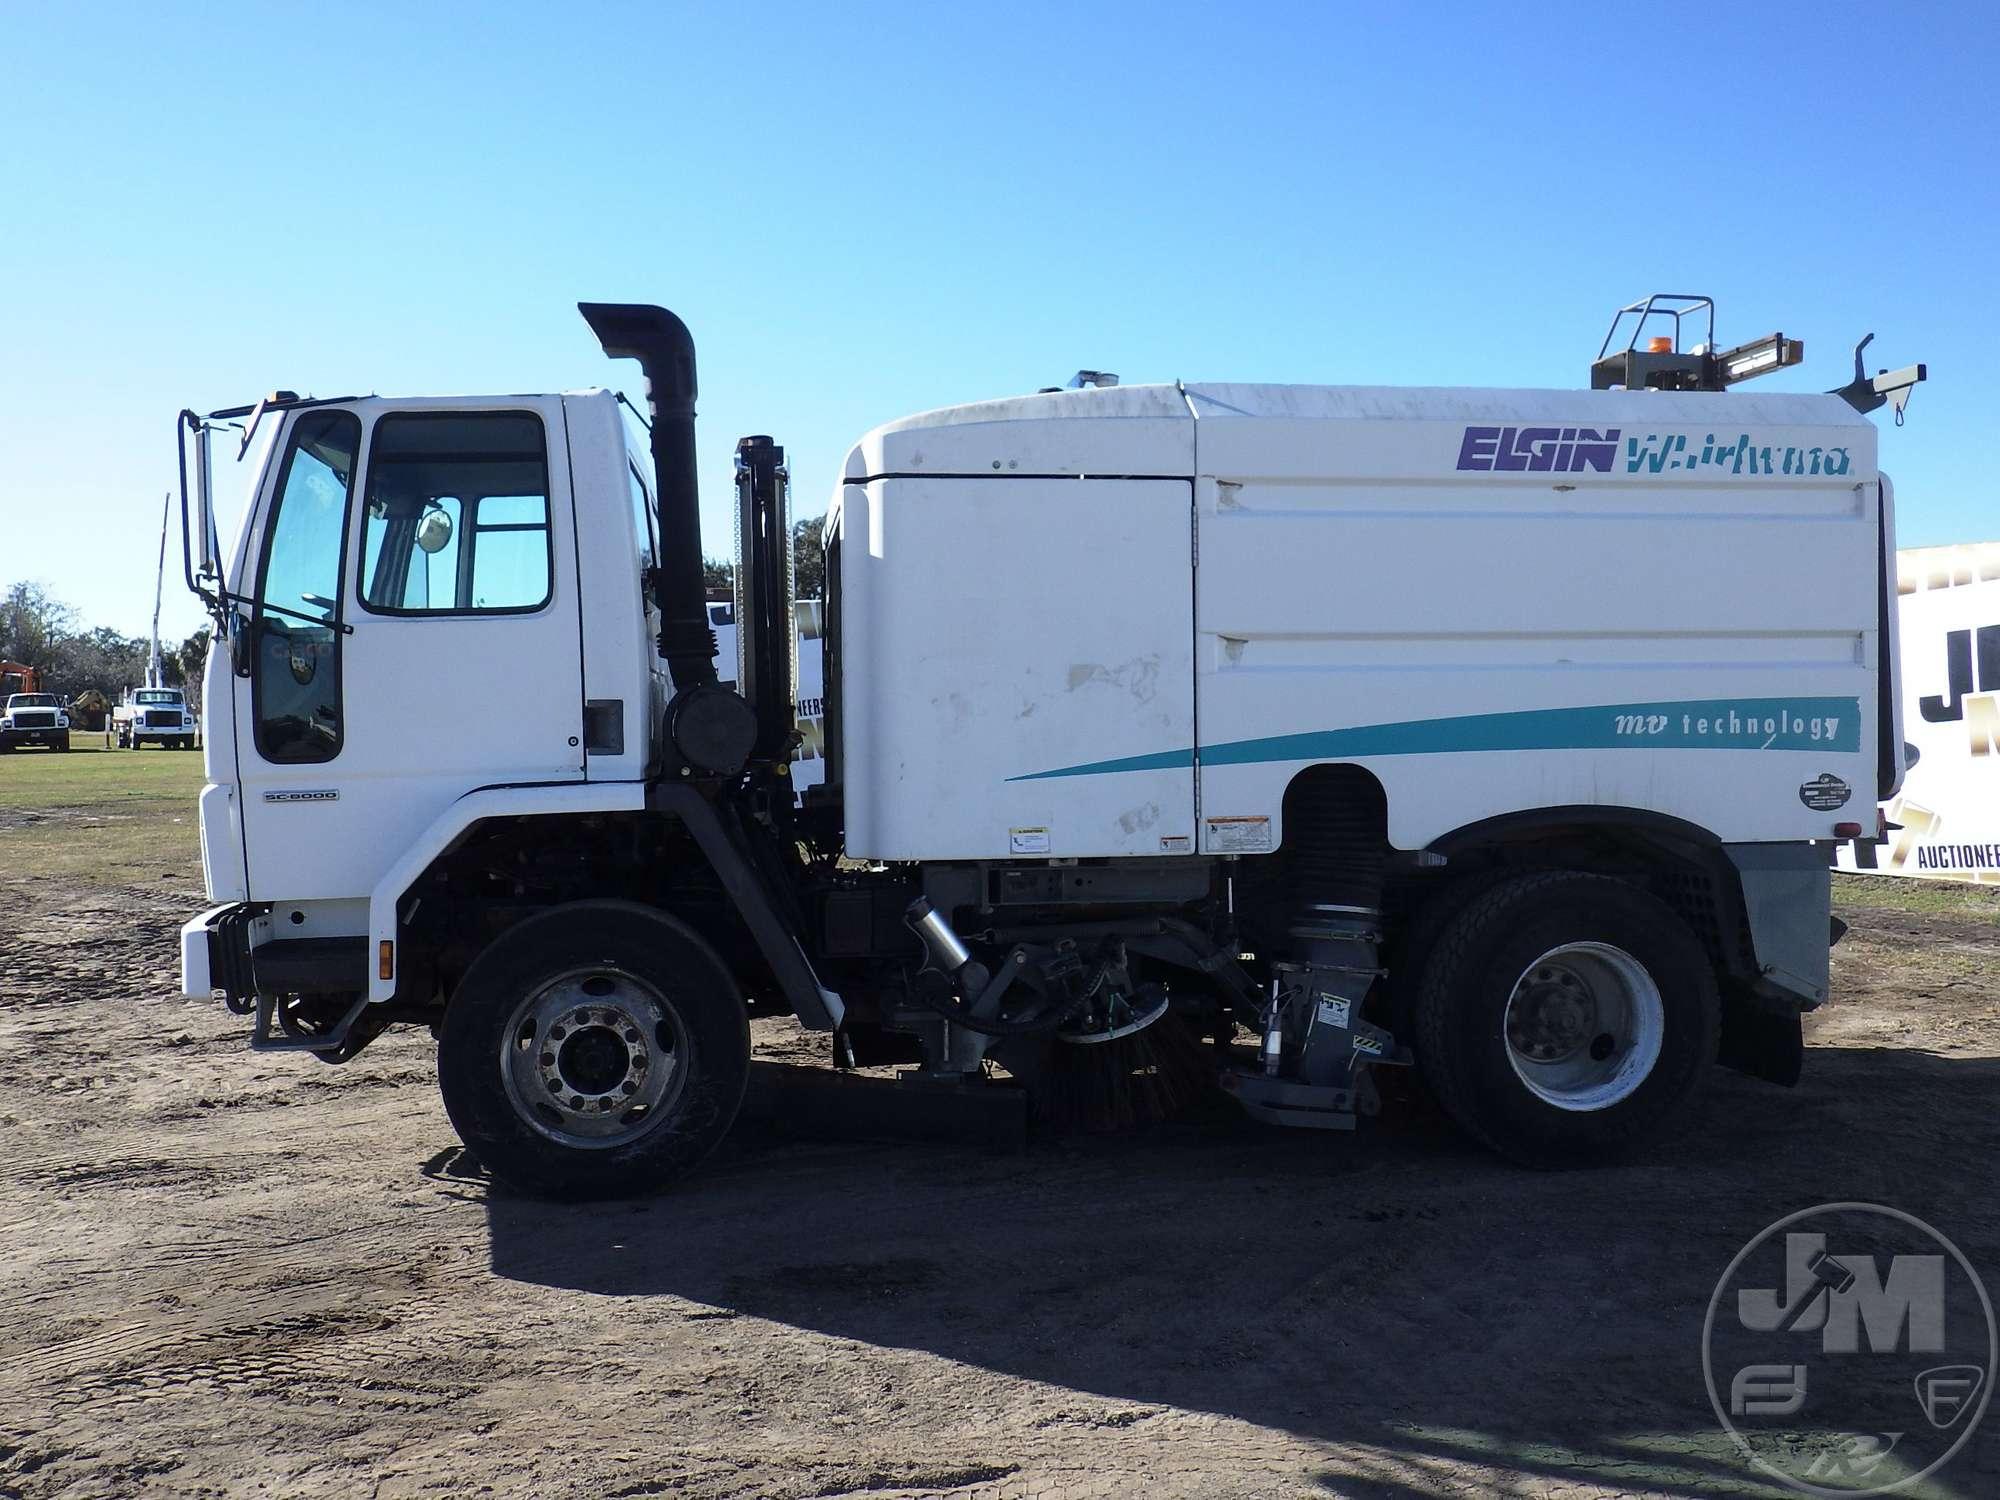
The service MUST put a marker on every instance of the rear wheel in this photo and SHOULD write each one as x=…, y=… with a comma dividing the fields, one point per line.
x=598, y=1049
x=1565, y=1018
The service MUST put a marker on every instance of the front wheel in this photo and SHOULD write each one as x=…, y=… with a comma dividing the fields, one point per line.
x=1565, y=1018
x=598, y=1049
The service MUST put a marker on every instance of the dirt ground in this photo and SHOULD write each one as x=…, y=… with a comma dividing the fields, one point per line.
x=233, y=1274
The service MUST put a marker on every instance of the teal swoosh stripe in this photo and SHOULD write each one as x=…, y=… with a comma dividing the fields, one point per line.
x=1697, y=724
x=1165, y=760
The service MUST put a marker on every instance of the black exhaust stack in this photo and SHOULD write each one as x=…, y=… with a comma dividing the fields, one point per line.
x=709, y=728
x=764, y=615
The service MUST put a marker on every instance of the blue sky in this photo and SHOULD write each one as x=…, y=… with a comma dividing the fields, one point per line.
x=871, y=211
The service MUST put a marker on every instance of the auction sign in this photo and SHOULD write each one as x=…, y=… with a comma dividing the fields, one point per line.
x=1948, y=616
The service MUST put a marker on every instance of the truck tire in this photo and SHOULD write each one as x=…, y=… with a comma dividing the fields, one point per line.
x=1409, y=953
x=1564, y=1018
x=598, y=1049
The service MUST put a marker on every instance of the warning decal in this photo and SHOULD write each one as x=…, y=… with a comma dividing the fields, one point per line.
x=1238, y=836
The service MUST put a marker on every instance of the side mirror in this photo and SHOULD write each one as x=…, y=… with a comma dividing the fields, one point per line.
x=206, y=563
x=199, y=546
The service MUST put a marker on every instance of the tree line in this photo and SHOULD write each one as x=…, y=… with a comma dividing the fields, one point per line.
x=44, y=632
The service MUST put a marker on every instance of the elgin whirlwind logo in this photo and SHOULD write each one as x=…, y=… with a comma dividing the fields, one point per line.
x=1538, y=450
x=1573, y=450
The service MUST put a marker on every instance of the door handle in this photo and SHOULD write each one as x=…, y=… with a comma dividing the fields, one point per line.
x=243, y=650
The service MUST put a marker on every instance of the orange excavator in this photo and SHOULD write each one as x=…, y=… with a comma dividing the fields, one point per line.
x=18, y=677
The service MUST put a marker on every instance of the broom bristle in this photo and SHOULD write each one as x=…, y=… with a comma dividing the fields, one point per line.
x=1142, y=1079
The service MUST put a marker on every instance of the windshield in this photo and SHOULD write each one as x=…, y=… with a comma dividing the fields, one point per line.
x=32, y=700
x=158, y=696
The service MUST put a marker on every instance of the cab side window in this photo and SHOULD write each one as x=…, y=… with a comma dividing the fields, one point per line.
x=295, y=617
x=457, y=515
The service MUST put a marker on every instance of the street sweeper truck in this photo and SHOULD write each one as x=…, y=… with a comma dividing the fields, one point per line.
x=1263, y=737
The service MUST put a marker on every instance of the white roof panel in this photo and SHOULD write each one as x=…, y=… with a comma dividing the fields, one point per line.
x=1151, y=429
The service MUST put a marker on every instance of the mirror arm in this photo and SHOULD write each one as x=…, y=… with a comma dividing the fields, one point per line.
x=342, y=626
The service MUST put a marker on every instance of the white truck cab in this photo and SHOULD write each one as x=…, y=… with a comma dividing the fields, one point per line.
x=1499, y=732
x=432, y=550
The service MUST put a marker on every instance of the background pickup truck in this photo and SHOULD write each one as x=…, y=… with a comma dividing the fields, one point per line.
x=34, y=719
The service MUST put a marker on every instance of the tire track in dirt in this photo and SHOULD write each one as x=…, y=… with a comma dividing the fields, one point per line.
x=246, y=1285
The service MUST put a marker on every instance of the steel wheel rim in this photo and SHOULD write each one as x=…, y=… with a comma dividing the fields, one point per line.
x=595, y=1058
x=1584, y=1026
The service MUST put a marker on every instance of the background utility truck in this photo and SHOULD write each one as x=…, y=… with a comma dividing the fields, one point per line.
x=1499, y=731
x=157, y=714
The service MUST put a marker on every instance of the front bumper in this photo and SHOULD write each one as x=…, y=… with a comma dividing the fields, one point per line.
x=54, y=738
x=215, y=954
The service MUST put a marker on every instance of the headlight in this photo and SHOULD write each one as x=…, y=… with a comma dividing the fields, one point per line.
x=62, y=721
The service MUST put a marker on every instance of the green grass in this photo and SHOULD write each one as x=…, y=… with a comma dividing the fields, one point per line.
x=1928, y=898
x=109, y=816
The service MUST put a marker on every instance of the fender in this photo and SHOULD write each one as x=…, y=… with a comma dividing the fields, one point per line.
x=817, y=1007
x=1508, y=827
x=1730, y=940
x=1772, y=905
x=450, y=826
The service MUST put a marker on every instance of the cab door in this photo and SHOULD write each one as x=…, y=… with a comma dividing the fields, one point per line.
x=414, y=633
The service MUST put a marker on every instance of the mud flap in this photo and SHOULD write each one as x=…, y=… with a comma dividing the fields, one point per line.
x=1766, y=1046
